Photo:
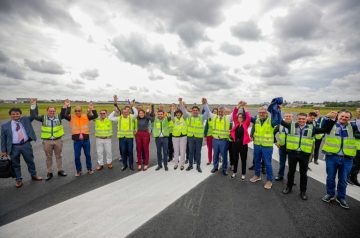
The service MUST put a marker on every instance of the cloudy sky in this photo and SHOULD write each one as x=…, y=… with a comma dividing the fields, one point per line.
x=158, y=50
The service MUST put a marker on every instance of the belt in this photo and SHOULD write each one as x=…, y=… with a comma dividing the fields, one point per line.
x=53, y=138
x=104, y=137
x=343, y=156
x=21, y=143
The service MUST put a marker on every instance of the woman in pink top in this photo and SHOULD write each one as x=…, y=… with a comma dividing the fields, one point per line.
x=240, y=135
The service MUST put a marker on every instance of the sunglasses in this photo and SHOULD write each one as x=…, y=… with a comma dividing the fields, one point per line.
x=102, y=113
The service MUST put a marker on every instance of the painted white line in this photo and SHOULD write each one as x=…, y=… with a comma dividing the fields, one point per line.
x=318, y=172
x=114, y=210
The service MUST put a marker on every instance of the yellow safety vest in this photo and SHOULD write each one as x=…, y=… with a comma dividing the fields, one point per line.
x=334, y=144
x=282, y=135
x=180, y=127
x=210, y=127
x=320, y=136
x=295, y=141
x=161, y=127
x=195, y=127
x=126, y=127
x=264, y=134
x=56, y=131
x=221, y=127
x=171, y=126
x=103, y=128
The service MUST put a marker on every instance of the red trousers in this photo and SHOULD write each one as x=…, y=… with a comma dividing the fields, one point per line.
x=210, y=148
x=142, y=139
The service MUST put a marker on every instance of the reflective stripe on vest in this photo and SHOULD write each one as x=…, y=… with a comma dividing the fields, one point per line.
x=221, y=129
x=282, y=135
x=334, y=144
x=264, y=134
x=126, y=127
x=180, y=127
x=320, y=136
x=295, y=141
x=79, y=125
x=161, y=127
x=195, y=127
x=103, y=128
x=56, y=131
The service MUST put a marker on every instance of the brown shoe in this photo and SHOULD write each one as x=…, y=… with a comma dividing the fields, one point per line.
x=100, y=167
x=110, y=166
x=268, y=185
x=36, y=178
x=255, y=178
x=78, y=174
x=90, y=172
x=18, y=184
x=139, y=167
x=145, y=167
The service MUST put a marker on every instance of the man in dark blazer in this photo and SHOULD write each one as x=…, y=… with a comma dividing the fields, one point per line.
x=16, y=135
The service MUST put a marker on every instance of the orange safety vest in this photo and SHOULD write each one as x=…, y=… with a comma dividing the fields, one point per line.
x=79, y=125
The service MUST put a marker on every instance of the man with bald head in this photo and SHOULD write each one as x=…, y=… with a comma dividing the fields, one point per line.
x=80, y=130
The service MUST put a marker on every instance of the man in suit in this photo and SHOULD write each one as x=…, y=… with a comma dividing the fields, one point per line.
x=16, y=136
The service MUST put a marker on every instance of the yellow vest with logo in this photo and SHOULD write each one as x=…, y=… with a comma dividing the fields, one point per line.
x=264, y=134
x=295, y=141
x=195, y=127
x=103, y=128
x=180, y=127
x=161, y=127
x=126, y=127
x=57, y=129
x=221, y=127
x=333, y=143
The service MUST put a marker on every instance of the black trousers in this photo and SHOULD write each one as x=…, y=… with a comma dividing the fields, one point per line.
x=293, y=158
x=239, y=148
x=231, y=155
x=356, y=166
x=317, y=149
x=170, y=148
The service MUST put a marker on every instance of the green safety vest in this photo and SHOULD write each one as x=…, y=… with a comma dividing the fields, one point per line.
x=334, y=144
x=195, y=127
x=103, y=128
x=56, y=131
x=282, y=135
x=171, y=126
x=264, y=134
x=295, y=141
x=161, y=127
x=221, y=127
x=180, y=127
x=320, y=136
x=126, y=127
x=210, y=127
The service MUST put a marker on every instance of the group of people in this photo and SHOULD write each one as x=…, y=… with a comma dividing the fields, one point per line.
x=181, y=133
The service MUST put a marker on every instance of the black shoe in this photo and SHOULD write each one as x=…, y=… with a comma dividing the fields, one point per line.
x=186, y=161
x=263, y=170
x=62, y=173
x=252, y=167
x=182, y=167
x=158, y=168
x=131, y=168
x=286, y=190
x=225, y=173
x=316, y=162
x=199, y=169
x=328, y=198
x=303, y=196
x=190, y=167
x=294, y=184
x=208, y=163
x=170, y=159
x=214, y=170
x=124, y=168
x=166, y=168
x=279, y=178
x=342, y=203
x=49, y=176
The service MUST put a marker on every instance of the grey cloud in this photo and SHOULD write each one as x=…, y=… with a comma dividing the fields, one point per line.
x=154, y=77
x=77, y=81
x=12, y=70
x=271, y=67
x=47, y=12
x=302, y=22
x=231, y=49
x=108, y=85
x=246, y=30
x=90, y=74
x=295, y=52
x=43, y=66
x=3, y=57
x=134, y=88
x=191, y=33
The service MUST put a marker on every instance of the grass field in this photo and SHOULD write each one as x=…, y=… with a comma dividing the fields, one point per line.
x=25, y=107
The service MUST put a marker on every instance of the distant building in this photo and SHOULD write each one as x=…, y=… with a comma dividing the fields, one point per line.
x=22, y=100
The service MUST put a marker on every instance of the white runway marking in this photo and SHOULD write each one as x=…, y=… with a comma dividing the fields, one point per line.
x=114, y=210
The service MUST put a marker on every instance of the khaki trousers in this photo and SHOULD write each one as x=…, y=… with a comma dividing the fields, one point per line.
x=51, y=147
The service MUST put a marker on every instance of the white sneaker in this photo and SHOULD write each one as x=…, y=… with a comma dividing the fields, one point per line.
x=242, y=177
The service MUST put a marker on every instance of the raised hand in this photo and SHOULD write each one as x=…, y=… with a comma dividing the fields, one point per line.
x=33, y=101
x=66, y=103
x=204, y=101
x=172, y=107
x=90, y=107
x=332, y=115
x=181, y=102
x=115, y=99
x=132, y=103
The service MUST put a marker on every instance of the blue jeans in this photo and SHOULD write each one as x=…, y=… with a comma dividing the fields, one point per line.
x=195, y=145
x=85, y=144
x=220, y=147
x=282, y=155
x=27, y=152
x=162, y=144
x=126, y=146
x=265, y=153
x=342, y=166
